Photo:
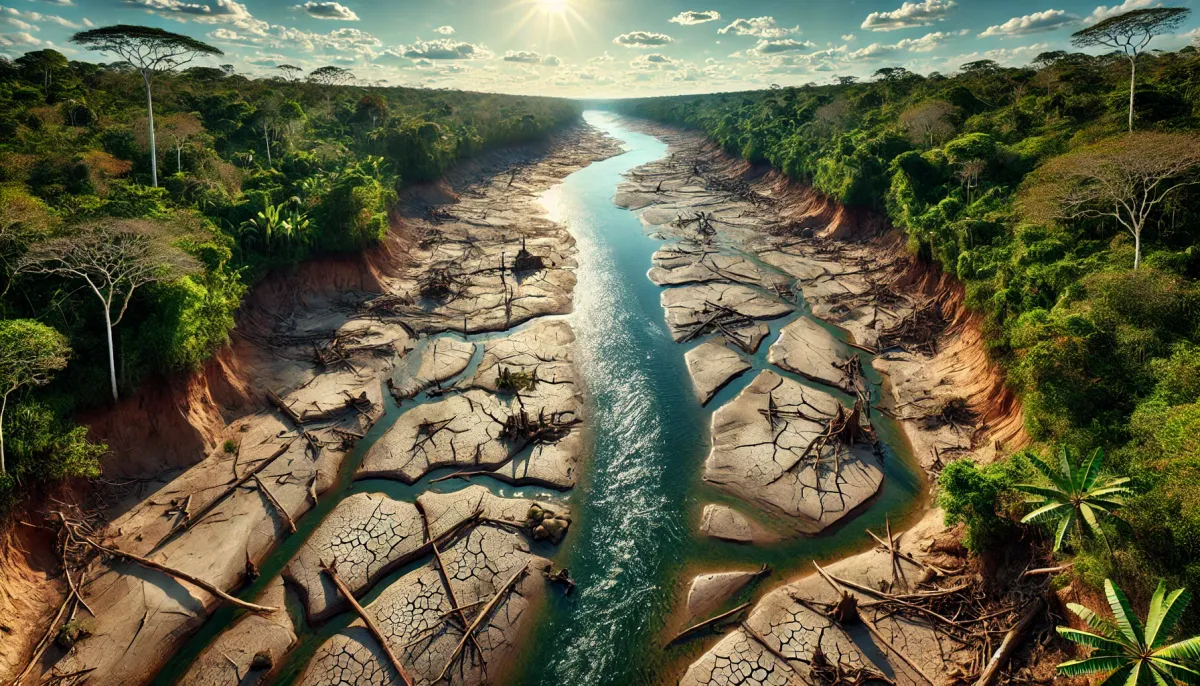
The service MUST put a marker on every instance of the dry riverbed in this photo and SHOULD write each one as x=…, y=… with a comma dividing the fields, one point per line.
x=738, y=248
x=473, y=255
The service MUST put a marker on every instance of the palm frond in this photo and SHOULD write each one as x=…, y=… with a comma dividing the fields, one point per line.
x=1127, y=620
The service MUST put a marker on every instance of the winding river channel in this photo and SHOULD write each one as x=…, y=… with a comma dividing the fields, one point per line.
x=635, y=538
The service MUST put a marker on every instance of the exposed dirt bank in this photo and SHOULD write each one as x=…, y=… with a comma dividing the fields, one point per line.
x=471, y=253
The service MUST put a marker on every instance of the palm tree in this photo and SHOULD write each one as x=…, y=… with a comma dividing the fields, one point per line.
x=1130, y=654
x=1074, y=496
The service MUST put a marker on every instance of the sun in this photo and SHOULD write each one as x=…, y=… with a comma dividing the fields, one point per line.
x=553, y=6
x=551, y=19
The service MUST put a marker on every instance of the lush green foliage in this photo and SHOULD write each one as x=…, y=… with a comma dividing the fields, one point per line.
x=984, y=172
x=1076, y=496
x=262, y=173
x=1130, y=651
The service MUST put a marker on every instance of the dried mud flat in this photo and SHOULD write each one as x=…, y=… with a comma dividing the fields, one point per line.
x=471, y=255
x=739, y=245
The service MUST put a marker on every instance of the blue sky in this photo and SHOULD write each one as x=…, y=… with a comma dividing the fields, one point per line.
x=595, y=48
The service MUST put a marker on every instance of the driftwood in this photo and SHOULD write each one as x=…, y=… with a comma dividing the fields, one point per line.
x=483, y=614
x=331, y=572
x=229, y=490
x=287, y=518
x=707, y=623
x=285, y=409
x=1011, y=640
x=178, y=574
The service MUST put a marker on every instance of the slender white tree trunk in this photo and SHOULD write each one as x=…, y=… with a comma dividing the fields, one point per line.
x=112, y=365
x=179, y=158
x=3, y=407
x=1132, y=81
x=153, y=155
x=267, y=139
x=1137, y=247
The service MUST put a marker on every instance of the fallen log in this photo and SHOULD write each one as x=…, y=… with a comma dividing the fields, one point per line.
x=1012, y=639
x=287, y=518
x=283, y=407
x=369, y=621
x=208, y=507
x=178, y=574
x=483, y=614
x=707, y=623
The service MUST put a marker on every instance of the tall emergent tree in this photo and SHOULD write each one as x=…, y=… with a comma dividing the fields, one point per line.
x=113, y=257
x=1125, y=178
x=1131, y=32
x=149, y=50
x=30, y=353
x=1130, y=653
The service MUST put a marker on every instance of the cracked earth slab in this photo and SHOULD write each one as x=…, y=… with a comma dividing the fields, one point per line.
x=231, y=658
x=794, y=629
x=712, y=365
x=366, y=536
x=806, y=348
x=766, y=466
x=727, y=524
x=687, y=262
x=443, y=511
x=431, y=362
x=709, y=592
x=689, y=306
x=463, y=430
x=415, y=614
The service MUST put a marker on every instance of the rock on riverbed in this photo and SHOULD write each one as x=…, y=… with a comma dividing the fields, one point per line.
x=727, y=524
x=768, y=466
x=416, y=615
x=712, y=365
x=688, y=262
x=710, y=591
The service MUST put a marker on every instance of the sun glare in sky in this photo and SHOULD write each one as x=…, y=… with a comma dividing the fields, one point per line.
x=553, y=6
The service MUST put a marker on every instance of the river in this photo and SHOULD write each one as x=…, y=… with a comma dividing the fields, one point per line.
x=634, y=536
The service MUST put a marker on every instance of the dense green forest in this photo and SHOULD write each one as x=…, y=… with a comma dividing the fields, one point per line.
x=252, y=175
x=1079, y=243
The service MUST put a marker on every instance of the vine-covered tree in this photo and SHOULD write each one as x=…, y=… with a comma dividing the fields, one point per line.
x=114, y=258
x=1131, y=33
x=30, y=353
x=1125, y=179
x=1130, y=652
x=149, y=50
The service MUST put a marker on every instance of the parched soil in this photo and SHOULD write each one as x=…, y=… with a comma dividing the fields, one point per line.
x=211, y=472
x=783, y=448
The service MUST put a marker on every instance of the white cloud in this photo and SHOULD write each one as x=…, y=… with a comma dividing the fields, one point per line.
x=763, y=27
x=1046, y=20
x=22, y=39
x=643, y=39
x=847, y=37
x=61, y=3
x=773, y=47
x=909, y=15
x=927, y=43
x=21, y=19
x=530, y=57
x=444, y=30
x=693, y=17
x=654, y=61
x=335, y=11
x=1103, y=12
x=602, y=59
x=445, y=49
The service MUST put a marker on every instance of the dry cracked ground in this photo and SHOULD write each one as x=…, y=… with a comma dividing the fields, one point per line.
x=791, y=447
x=505, y=406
